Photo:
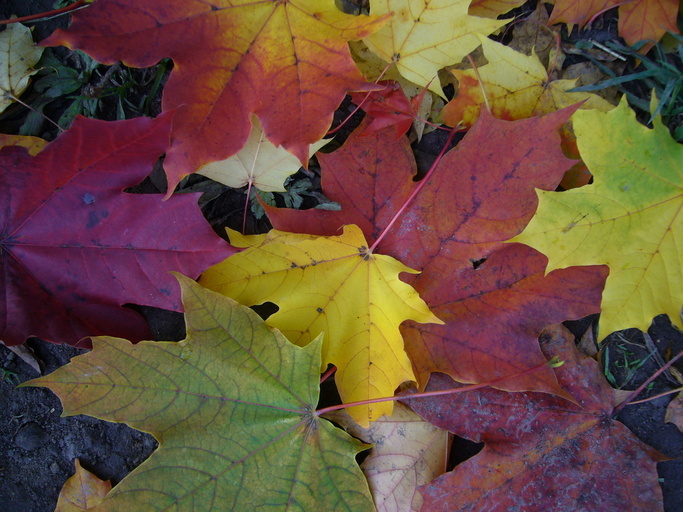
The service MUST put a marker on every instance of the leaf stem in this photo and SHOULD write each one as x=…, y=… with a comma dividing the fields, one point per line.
x=419, y=187
x=553, y=363
x=335, y=130
x=42, y=16
x=635, y=393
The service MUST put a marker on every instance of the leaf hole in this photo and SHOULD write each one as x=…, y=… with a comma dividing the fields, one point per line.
x=265, y=310
x=477, y=263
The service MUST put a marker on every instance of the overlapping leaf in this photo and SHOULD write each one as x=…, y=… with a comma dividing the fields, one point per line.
x=287, y=62
x=543, y=452
x=75, y=247
x=494, y=298
x=19, y=56
x=516, y=85
x=638, y=20
x=424, y=36
x=630, y=218
x=232, y=407
x=259, y=163
x=407, y=452
x=493, y=8
x=82, y=491
x=332, y=285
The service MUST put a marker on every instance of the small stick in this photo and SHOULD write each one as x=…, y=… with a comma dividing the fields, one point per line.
x=43, y=16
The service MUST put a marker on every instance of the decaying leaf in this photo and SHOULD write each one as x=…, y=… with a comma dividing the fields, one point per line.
x=332, y=285
x=424, y=36
x=18, y=57
x=233, y=409
x=74, y=247
x=543, y=452
x=82, y=491
x=286, y=62
x=630, y=218
x=407, y=452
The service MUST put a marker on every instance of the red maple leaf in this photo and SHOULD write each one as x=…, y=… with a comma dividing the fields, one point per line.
x=493, y=296
x=287, y=62
x=542, y=452
x=389, y=107
x=75, y=247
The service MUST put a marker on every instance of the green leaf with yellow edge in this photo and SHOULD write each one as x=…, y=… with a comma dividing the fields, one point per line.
x=337, y=286
x=630, y=218
x=18, y=55
x=424, y=36
x=517, y=86
x=233, y=409
x=259, y=163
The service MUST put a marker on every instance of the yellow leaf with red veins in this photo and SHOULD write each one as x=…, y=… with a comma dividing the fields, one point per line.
x=286, y=62
x=424, y=36
x=517, y=86
x=336, y=286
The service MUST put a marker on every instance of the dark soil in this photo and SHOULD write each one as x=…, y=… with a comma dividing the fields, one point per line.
x=38, y=447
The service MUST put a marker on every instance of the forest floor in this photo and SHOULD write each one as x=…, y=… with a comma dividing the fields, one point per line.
x=38, y=447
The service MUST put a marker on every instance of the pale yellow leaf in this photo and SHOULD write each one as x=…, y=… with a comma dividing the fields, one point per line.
x=18, y=56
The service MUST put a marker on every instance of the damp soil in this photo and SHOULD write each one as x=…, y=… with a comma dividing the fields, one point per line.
x=38, y=446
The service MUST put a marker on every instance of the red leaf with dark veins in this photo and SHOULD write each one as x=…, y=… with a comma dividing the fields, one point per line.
x=542, y=453
x=75, y=248
x=477, y=197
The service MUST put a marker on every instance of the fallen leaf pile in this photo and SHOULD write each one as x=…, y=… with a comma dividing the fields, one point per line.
x=421, y=284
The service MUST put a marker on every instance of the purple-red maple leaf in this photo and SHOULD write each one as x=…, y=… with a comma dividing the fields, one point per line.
x=74, y=247
x=493, y=296
x=542, y=452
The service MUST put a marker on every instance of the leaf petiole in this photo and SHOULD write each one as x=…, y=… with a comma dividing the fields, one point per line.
x=552, y=363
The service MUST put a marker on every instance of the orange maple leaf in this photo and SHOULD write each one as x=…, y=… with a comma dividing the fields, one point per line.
x=638, y=20
x=287, y=62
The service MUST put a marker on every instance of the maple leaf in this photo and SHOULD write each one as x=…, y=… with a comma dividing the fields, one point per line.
x=629, y=219
x=424, y=36
x=337, y=286
x=389, y=107
x=493, y=8
x=74, y=247
x=493, y=297
x=233, y=409
x=287, y=62
x=638, y=20
x=19, y=55
x=82, y=491
x=259, y=163
x=517, y=86
x=542, y=452
x=407, y=452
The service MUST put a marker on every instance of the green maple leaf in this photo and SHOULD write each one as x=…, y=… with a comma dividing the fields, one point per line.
x=630, y=218
x=233, y=409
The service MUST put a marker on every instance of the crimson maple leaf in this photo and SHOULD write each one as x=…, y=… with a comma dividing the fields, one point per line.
x=74, y=247
x=389, y=107
x=542, y=452
x=287, y=62
x=494, y=297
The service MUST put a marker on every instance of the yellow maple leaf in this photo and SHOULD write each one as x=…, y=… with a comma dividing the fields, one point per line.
x=259, y=163
x=517, y=86
x=425, y=36
x=630, y=218
x=336, y=286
